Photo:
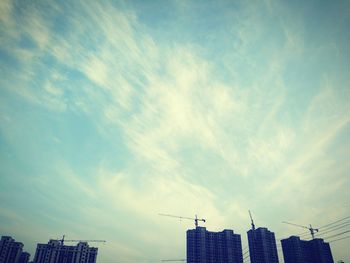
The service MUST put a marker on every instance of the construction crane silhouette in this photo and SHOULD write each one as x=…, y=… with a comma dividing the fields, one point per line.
x=196, y=219
x=62, y=240
x=311, y=229
x=251, y=219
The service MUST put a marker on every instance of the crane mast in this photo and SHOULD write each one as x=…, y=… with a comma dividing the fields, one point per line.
x=251, y=219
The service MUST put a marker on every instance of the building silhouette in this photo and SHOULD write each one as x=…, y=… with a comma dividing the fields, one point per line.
x=293, y=250
x=296, y=250
x=12, y=251
x=55, y=252
x=262, y=246
x=24, y=258
x=213, y=247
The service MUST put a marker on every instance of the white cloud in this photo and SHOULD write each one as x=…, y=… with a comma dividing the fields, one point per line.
x=312, y=177
x=192, y=137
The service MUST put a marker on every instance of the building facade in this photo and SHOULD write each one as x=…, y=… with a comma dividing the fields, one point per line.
x=213, y=247
x=296, y=250
x=293, y=250
x=12, y=251
x=24, y=258
x=55, y=252
x=262, y=246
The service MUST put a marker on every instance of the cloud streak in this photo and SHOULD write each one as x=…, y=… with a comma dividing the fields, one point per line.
x=128, y=122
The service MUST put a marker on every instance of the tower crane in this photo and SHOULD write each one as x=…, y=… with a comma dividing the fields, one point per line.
x=73, y=240
x=311, y=229
x=196, y=219
x=251, y=219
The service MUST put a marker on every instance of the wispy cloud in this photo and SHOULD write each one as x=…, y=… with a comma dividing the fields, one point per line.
x=148, y=124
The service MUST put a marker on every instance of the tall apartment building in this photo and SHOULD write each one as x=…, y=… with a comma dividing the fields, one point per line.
x=296, y=250
x=293, y=250
x=262, y=246
x=213, y=247
x=12, y=251
x=55, y=252
x=24, y=258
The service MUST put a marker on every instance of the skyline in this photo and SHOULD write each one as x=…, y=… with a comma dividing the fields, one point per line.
x=193, y=235
x=115, y=111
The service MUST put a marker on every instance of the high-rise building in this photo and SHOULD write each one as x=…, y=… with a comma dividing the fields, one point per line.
x=293, y=250
x=24, y=258
x=11, y=251
x=213, y=247
x=55, y=252
x=262, y=246
x=296, y=250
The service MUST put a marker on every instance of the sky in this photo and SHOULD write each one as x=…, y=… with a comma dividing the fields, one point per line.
x=114, y=112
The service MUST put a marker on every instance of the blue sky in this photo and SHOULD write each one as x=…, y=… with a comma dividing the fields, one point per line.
x=113, y=112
